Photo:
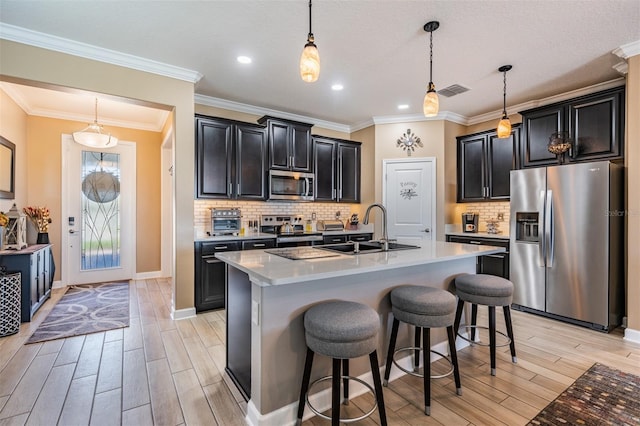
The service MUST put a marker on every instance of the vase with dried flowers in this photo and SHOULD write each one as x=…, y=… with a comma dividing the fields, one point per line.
x=40, y=217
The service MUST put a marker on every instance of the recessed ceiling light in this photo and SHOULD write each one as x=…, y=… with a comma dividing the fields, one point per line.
x=244, y=59
x=403, y=106
x=337, y=87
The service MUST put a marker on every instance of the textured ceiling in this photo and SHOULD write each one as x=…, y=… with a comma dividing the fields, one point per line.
x=376, y=49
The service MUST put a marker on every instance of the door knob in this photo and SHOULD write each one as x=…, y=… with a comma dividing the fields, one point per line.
x=72, y=231
x=427, y=230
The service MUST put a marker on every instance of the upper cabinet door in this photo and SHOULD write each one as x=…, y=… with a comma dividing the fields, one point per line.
x=502, y=158
x=324, y=158
x=597, y=128
x=538, y=127
x=471, y=168
x=279, y=151
x=348, y=172
x=251, y=165
x=301, y=148
x=214, y=153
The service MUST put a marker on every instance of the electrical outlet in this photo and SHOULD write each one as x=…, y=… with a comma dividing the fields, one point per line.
x=500, y=216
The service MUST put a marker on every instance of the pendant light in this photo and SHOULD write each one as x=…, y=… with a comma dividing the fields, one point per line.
x=504, y=126
x=431, y=104
x=93, y=136
x=310, y=59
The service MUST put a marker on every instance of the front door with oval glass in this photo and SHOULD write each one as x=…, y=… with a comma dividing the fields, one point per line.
x=98, y=206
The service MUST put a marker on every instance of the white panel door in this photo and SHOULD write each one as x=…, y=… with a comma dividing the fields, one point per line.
x=409, y=194
x=99, y=211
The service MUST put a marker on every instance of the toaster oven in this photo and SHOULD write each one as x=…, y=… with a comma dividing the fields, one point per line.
x=225, y=221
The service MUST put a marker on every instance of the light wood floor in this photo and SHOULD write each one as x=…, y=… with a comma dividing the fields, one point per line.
x=164, y=372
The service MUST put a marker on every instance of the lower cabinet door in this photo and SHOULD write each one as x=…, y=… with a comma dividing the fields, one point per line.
x=210, y=286
x=494, y=264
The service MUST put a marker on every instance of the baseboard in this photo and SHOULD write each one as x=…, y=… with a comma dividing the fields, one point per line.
x=178, y=314
x=631, y=335
x=148, y=275
x=58, y=284
x=286, y=415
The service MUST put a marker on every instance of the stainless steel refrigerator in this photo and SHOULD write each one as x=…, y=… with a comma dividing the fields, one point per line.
x=566, y=242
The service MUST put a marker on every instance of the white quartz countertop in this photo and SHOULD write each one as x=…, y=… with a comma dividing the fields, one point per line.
x=269, y=269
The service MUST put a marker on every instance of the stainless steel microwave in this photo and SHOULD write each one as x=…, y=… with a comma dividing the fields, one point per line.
x=292, y=186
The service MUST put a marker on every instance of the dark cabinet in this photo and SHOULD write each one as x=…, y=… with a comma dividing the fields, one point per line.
x=337, y=169
x=289, y=144
x=595, y=122
x=359, y=237
x=491, y=264
x=210, y=274
x=334, y=239
x=484, y=164
x=37, y=269
x=230, y=159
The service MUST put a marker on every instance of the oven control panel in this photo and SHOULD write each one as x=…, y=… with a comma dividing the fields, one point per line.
x=279, y=219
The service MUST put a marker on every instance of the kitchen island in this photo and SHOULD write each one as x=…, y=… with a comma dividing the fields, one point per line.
x=267, y=296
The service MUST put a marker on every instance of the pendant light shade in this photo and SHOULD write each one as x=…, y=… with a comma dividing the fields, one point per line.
x=93, y=135
x=431, y=104
x=310, y=59
x=504, y=126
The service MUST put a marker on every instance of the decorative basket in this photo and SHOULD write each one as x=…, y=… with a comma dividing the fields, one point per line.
x=559, y=144
x=10, y=285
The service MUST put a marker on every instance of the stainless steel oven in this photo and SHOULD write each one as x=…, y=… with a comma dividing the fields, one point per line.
x=291, y=186
x=297, y=237
x=225, y=221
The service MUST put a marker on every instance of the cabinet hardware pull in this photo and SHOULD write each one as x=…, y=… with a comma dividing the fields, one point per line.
x=259, y=245
x=475, y=242
x=221, y=247
x=497, y=256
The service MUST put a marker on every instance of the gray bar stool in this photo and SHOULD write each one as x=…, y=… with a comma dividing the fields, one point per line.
x=492, y=291
x=341, y=330
x=425, y=308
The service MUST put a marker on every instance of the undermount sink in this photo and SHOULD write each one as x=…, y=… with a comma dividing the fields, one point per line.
x=366, y=247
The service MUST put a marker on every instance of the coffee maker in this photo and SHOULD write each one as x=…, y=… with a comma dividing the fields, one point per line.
x=470, y=222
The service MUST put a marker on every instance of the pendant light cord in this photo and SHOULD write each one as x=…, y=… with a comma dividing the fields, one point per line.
x=96, y=119
x=430, y=55
x=310, y=32
x=504, y=94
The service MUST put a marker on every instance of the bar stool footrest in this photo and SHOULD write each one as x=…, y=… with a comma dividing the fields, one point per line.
x=343, y=420
x=413, y=373
x=479, y=343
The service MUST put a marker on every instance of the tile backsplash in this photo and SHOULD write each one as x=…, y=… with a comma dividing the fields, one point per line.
x=253, y=209
x=486, y=211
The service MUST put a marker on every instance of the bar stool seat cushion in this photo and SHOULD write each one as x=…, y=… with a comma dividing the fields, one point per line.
x=423, y=306
x=482, y=289
x=341, y=329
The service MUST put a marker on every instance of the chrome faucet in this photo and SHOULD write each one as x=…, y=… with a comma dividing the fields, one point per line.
x=384, y=240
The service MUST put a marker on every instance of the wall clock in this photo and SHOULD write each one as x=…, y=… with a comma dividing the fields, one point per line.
x=408, y=142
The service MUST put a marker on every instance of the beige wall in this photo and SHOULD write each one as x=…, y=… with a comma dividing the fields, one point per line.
x=632, y=163
x=368, y=170
x=13, y=127
x=432, y=135
x=44, y=177
x=47, y=67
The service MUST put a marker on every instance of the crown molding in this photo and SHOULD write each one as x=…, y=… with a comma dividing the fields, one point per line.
x=256, y=110
x=16, y=96
x=362, y=125
x=409, y=118
x=628, y=50
x=495, y=115
x=75, y=48
x=622, y=67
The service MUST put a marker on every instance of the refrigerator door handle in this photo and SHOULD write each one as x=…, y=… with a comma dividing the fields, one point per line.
x=548, y=229
x=541, y=240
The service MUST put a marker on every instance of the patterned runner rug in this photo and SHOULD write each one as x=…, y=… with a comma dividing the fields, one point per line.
x=85, y=309
x=601, y=396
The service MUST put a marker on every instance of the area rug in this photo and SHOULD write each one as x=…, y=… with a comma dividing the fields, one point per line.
x=85, y=309
x=601, y=396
